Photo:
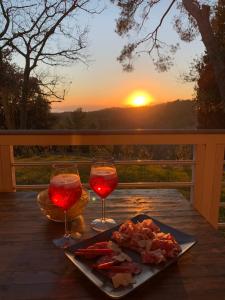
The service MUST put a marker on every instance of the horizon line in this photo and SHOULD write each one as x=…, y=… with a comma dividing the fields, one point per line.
x=98, y=107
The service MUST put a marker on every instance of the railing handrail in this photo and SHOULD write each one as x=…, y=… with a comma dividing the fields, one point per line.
x=111, y=132
x=117, y=162
x=111, y=137
x=122, y=185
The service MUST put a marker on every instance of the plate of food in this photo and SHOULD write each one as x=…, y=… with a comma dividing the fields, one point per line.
x=121, y=259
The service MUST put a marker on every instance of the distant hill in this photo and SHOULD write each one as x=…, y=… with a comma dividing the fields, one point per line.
x=179, y=114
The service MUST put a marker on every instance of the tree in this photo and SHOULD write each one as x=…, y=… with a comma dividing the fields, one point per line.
x=38, y=107
x=41, y=32
x=10, y=86
x=199, y=20
x=72, y=120
x=210, y=107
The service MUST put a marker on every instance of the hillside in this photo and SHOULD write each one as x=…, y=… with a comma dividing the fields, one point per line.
x=178, y=114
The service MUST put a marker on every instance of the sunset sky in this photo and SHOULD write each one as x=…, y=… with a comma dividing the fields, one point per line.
x=103, y=83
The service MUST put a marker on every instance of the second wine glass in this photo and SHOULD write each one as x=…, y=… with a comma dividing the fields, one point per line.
x=103, y=180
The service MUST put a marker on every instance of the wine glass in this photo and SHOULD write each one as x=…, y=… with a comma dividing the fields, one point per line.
x=103, y=180
x=64, y=191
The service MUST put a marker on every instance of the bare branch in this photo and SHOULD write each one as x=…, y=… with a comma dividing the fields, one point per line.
x=32, y=32
x=126, y=22
x=51, y=32
x=5, y=13
x=154, y=34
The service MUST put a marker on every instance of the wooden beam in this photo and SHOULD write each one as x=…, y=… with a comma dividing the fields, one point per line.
x=132, y=137
x=208, y=173
x=7, y=171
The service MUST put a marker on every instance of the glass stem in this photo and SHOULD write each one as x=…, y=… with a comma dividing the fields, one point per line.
x=103, y=209
x=66, y=224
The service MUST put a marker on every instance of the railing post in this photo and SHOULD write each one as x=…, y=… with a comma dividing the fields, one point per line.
x=7, y=171
x=207, y=178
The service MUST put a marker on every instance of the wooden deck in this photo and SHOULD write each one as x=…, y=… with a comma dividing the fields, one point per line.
x=32, y=268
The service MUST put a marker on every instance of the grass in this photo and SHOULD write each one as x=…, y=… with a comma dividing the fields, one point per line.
x=131, y=173
x=222, y=209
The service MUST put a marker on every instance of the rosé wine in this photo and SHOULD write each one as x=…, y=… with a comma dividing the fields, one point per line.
x=103, y=180
x=65, y=190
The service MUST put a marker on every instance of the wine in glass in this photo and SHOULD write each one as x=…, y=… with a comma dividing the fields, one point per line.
x=64, y=191
x=103, y=180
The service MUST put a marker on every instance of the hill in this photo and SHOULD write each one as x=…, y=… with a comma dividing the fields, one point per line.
x=178, y=114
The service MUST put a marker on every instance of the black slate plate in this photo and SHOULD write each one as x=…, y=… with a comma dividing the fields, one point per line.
x=148, y=271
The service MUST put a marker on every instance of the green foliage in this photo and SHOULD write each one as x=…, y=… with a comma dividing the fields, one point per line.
x=71, y=120
x=131, y=173
x=29, y=175
x=38, y=107
x=9, y=91
x=223, y=191
x=222, y=209
x=222, y=214
x=152, y=173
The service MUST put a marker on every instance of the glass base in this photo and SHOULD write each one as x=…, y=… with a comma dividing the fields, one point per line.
x=102, y=225
x=64, y=242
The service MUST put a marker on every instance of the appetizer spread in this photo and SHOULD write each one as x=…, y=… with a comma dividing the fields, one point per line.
x=154, y=247
x=146, y=238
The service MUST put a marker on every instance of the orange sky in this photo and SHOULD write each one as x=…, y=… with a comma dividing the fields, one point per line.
x=110, y=90
x=104, y=84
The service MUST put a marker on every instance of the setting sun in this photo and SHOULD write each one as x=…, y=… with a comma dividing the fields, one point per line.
x=139, y=98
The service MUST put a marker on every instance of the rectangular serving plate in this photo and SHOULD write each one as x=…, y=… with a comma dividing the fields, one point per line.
x=148, y=271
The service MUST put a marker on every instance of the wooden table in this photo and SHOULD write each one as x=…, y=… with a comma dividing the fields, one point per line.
x=32, y=268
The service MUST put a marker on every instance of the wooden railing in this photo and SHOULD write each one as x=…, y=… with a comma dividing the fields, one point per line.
x=207, y=164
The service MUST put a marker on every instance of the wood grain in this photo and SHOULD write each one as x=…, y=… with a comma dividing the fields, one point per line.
x=32, y=268
x=7, y=171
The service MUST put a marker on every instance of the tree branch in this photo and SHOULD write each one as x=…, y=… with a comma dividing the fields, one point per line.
x=154, y=34
x=7, y=19
x=51, y=32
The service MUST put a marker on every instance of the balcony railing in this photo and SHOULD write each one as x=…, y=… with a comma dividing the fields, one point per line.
x=207, y=164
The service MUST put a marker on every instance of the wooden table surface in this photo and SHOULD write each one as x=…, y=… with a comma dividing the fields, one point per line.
x=32, y=268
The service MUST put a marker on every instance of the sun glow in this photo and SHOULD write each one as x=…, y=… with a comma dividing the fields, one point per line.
x=139, y=98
